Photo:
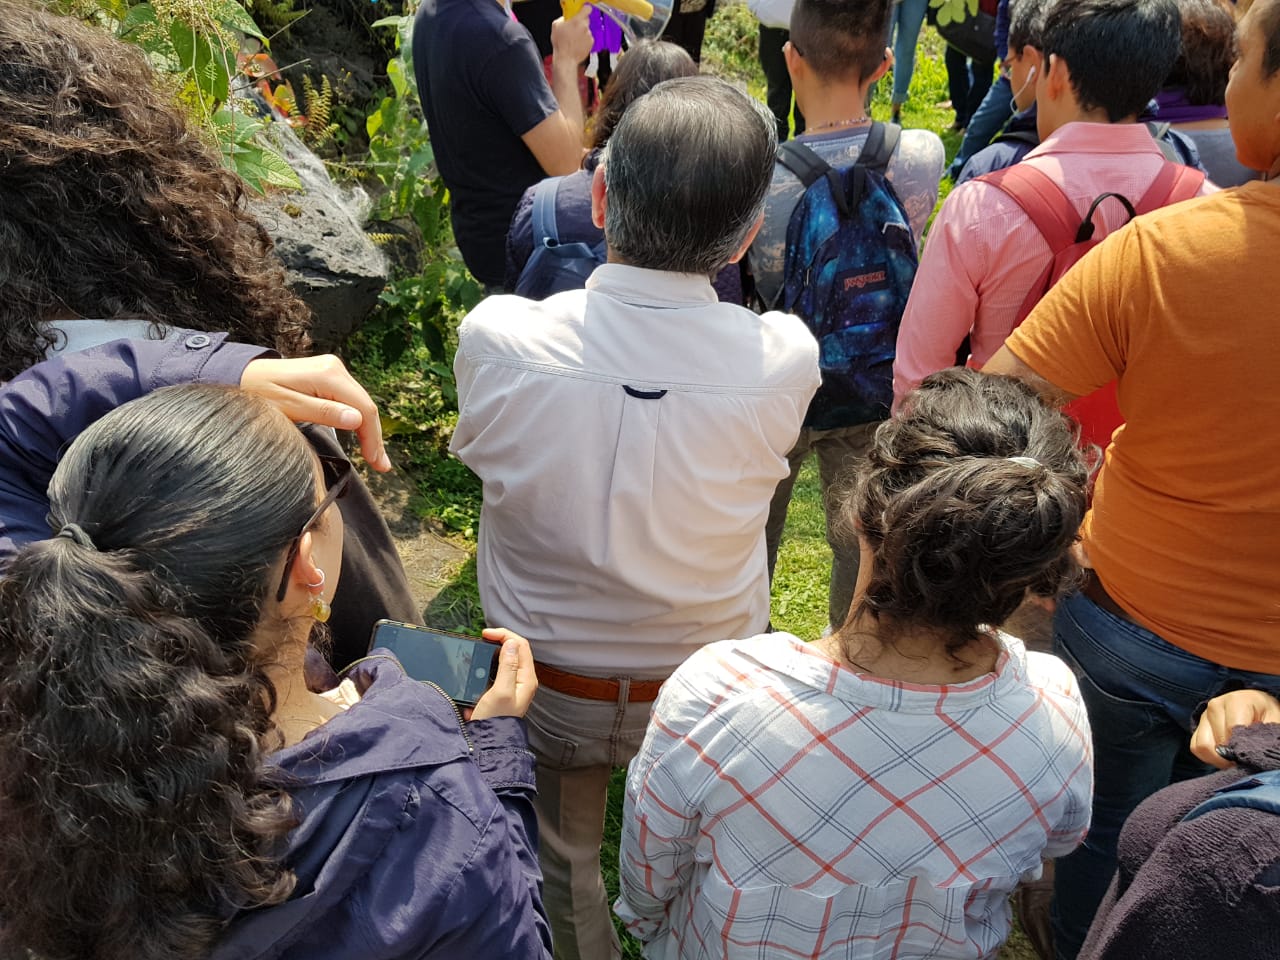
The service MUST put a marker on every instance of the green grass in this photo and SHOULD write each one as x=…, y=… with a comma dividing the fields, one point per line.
x=451, y=496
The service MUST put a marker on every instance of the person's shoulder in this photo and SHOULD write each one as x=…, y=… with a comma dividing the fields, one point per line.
x=920, y=153
x=1050, y=675
x=789, y=346
x=995, y=156
x=729, y=672
x=505, y=325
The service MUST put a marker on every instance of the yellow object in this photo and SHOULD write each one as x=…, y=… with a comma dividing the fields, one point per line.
x=640, y=9
x=320, y=608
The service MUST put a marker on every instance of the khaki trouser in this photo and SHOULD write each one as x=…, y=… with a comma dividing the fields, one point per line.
x=578, y=744
x=838, y=453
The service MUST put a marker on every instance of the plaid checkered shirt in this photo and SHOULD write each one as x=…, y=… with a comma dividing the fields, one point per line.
x=786, y=806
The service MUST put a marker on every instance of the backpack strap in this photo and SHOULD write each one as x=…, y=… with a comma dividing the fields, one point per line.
x=544, y=211
x=1258, y=792
x=877, y=151
x=810, y=168
x=1042, y=200
x=1175, y=182
x=1050, y=211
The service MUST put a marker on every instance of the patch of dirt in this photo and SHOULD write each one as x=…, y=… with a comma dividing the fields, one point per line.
x=431, y=561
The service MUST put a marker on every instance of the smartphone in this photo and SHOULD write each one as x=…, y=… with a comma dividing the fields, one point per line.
x=463, y=667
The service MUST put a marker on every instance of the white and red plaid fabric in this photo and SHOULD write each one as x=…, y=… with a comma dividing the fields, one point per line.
x=786, y=806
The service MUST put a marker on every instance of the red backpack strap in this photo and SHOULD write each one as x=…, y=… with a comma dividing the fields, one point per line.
x=1049, y=210
x=1042, y=200
x=1174, y=183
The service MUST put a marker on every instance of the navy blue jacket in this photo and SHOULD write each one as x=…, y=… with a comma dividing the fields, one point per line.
x=418, y=836
x=46, y=407
x=1007, y=150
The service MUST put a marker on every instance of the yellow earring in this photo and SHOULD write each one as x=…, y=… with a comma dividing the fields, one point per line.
x=320, y=608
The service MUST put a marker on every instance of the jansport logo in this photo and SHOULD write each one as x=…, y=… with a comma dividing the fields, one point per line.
x=863, y=280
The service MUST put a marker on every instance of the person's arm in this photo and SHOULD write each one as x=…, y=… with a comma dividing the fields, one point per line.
x=1006, y=364
x=1078, y=338
x=661, y=819
x=46, y=407
x=557, y=141
x=944, y=297
x=1002, y=31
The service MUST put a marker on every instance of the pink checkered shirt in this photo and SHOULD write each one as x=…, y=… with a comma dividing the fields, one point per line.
x=786, y=806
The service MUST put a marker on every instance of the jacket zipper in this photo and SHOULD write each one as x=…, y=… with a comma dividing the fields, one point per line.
x=462, y=724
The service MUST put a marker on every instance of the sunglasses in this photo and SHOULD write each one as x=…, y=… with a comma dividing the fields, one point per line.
x=337, y=478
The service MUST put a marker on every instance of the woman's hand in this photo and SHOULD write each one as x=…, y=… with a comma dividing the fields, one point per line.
x=516, y=683
x=320, y=390
x=1240, y=708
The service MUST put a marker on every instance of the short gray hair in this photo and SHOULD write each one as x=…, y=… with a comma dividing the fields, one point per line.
x=687, y=169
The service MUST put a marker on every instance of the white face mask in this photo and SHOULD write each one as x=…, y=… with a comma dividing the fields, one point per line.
x=1013, y=101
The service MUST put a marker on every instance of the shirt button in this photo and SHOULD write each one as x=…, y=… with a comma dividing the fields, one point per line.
x=198, y=341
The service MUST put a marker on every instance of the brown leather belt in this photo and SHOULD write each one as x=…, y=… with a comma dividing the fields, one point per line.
x=596, y=688
x=1095, y=591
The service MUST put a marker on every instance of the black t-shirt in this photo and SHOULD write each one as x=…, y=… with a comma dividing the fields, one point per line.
x=482, y=88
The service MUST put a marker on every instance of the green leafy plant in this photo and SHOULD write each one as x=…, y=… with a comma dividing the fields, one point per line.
x=956, y=11
x=194, y=46
x=401, y=158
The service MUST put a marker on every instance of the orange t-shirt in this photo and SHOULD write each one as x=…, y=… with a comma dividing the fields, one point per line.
x=1183, y=306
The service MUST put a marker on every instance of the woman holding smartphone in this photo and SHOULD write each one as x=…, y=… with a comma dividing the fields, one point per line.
x=169, y=786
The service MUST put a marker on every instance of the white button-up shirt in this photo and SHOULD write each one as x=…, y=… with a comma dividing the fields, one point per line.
x=629, y=437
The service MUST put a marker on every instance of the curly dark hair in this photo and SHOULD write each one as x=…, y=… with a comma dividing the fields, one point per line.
x=643, y=67
x=113, y=207
x=1208, y=51
x=959, y=533
x=135, y=713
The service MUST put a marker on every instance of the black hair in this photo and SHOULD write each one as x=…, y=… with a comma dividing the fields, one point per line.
x=1026, y=24
x=686, y=171
x=1208, y=50
x=135, y=711
x=841, y=39
x=113, y=207
x=1118, y=51
x=645, y=65
x=960, y=534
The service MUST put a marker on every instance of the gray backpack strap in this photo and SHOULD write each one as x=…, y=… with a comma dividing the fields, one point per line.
x=882, y=141
x=1160, y=134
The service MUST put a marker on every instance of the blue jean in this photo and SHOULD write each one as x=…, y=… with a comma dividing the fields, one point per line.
x=992, y=114
x=904, y=29
x=1141, y=692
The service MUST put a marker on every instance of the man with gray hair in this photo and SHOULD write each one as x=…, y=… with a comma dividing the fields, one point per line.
x=629, y=437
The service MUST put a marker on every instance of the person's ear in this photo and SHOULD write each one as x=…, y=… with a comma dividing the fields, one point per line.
x=1054, y=77
x=598, y=192
x=305, y=576
x=881, y=70
x=789, y=56
x=751, y=235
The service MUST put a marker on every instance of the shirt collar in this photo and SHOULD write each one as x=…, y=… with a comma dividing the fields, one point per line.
x=809, y=663
x=74, y=336
x=1109, y=138
x=656, y=288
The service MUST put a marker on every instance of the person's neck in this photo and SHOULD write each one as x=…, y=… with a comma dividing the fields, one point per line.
x=837, y=107
x=298, y=710
x=1057, y=122
x=910, y=655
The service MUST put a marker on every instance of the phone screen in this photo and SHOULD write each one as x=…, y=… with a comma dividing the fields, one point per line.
x=463, y=667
